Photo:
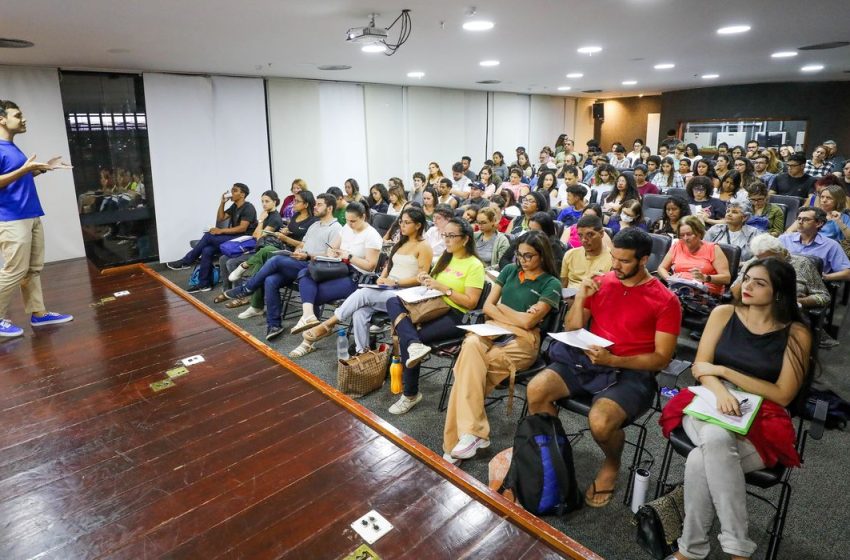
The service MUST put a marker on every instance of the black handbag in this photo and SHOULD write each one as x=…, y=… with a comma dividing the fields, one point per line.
x=659, y=523
x=322, y=271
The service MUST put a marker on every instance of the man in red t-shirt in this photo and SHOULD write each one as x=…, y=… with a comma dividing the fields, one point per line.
x=635, y=311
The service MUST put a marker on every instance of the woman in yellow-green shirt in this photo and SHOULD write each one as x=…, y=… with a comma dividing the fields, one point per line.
x=459, y=275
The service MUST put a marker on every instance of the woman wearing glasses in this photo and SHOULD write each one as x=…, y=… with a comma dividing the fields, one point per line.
x=490, y=244
x=409, y=258
x=459, y=276
x=532, y=203
x=522, y=296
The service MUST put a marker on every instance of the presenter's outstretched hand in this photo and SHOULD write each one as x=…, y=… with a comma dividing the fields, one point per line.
x=57, y=163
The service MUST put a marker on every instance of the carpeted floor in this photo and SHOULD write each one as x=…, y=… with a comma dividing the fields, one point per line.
x=816, y=523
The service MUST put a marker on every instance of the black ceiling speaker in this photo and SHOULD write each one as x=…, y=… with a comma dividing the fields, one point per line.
x=599, y=111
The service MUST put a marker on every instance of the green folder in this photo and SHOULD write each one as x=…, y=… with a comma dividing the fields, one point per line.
x=702, y=410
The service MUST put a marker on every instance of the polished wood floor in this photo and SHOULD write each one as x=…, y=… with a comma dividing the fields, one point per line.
x=242, y=458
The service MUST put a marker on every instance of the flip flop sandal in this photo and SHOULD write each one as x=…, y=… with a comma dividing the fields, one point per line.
x=317, y=333
x=302, y=350
x=303, y=324
x=220, y=298
x=608, y=493
x=239, y=302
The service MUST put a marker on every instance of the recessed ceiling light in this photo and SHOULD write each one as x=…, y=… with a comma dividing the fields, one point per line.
x=710, y=76
x=374, y=48
x=575, y=75
x=589, y=50
x=812, y=68
x=417, y=75
x=488, y=63
x=478, y=25
x=564, y=88
x=664, y=66
x=15, y=43
x=733, y=29
x=629, y=82
x=783, y=54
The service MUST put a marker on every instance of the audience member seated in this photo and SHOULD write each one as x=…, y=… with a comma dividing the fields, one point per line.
x=419, y=184
x=547, y=184
x=704, y=168
x=543, y=222
x=667, y=177
x=341, y=203
x=434, y=174
x=490, y=181
x=811, y=291
x=287, y=209
x=760, y=346
x=281, y=271
x=624, y=189
x=466, y=161
x=521, y=297
x=814, y=198
x=730, y=188
x=397, y=199
x=379, y=199
x=744, y=168
x=833, y=202
x=476, y=196
x=576, y=195
x=532, y=203
x=243, y=220
x=408, y=258
x=470, y=213
x=691, y=258
x=499, y=166
x=514, y=184
x=444, y=188
x=460, y=182
x=766, y=217
x=643, y=186
x=393, y=234
x=675, y=209
x=570, y=236
x=844, y=176
x=604, y=178
x=434, y=235
x=499, y=203
x=429, y=202
x=734, y=229
x=818, y=166
x=703, y=205
x=794, y=181
x=352, y=193
x=459, y=276
x=722, y=167
x=808, y=240
x=635, y=311
x=358, y=245
x=685, y=169
x=490, y=244
x=590, y=259
x=760, y=169
x=630, y=215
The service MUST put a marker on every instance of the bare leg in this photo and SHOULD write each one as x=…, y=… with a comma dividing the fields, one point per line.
x=605, y=420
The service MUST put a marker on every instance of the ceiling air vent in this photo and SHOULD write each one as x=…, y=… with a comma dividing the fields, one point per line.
x=825, y=46
x=489, y=82
x=334, y=67
x=592, y=91
x=14, y=44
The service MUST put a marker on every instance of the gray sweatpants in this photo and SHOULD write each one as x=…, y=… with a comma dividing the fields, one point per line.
x=714, y=484
x=359, y=307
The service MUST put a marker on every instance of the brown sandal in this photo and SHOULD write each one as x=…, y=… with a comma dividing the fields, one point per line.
x=317, y=333
x=220, y=298
x=239, y=302
x=609, y=494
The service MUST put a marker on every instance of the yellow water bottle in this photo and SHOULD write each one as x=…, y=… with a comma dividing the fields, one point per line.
x=395, y=376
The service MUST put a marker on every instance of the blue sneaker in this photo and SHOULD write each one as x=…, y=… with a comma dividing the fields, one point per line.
x=8, y=330
x=237, y=292
x=50, y=318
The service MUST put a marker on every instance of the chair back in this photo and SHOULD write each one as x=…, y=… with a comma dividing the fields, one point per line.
x=382, y=222
x=594, y=195
x=681, y=193
x=660, y=247
x=653, y=206
x=792, y=204
x=733, y=255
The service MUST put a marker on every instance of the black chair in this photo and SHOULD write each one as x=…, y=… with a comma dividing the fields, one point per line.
x=653, y=206
x=767, y=478
x=792, y=204
x=681, y=193
x=660, y=247
x=594, y=195
x=383, y=222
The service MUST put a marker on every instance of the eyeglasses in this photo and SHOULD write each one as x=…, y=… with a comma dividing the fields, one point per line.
x=803, y=220
x=526, y=256
x=452, y=235
x=756, y=199
x=529, y=200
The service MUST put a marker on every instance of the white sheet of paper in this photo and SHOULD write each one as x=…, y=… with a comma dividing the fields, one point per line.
x=692, y=283
x=581, y=338
x=485, y=330
x=375, y=287
x=418, y=293
x=241, y=238
x=568, y=292
x=323, y=258
x=706, y=403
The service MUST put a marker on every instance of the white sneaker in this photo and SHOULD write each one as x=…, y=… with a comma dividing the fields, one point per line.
x=377, y=329
x=468, y=445
x=415, y=352
x=447, y=457
x=237, y=273
x=405, y=404
x=250, y=312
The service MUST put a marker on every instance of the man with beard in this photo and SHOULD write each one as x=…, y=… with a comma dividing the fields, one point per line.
x=635, y=311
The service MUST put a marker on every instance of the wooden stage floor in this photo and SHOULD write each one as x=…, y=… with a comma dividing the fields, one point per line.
x=247, y=456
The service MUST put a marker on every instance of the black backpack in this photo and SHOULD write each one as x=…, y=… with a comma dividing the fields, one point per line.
x=542, y=474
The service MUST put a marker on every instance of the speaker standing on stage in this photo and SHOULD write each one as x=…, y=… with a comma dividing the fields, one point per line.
x=21, y=232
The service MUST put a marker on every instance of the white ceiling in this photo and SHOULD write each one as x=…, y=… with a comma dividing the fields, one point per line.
x=535, y=40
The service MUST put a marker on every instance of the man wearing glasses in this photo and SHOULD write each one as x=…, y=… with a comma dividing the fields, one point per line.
x=589, y=260
x=760, y=169
x=808, y=240
x=794, y=182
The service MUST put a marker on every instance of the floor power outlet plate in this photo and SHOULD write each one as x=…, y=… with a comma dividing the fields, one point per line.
x=372, y=526
x=192, y=360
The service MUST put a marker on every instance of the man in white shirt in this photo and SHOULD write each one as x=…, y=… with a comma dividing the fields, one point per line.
x=620, y=161
x=634, y=155
x=460, y=182
x=434, y=236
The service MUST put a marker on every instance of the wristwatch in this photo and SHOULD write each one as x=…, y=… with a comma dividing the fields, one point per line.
x=449, y=292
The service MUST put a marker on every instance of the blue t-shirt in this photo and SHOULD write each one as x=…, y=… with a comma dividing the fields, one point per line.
x=19, y=199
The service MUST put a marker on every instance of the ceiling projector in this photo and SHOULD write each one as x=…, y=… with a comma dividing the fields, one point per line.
x=368, y=34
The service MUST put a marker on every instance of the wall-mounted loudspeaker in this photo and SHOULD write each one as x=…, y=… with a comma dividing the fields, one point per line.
x=599, y=111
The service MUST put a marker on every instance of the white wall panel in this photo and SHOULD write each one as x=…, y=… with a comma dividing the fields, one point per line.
x=385, y=133
x=36, y=91
x=475, y=128
x=342, y=139
x=205, y=134
x=546, y=123
x=510, y=123
x=293, y=109
x=435, y=118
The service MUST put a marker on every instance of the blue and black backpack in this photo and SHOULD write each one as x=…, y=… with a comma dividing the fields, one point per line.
x=542, y=474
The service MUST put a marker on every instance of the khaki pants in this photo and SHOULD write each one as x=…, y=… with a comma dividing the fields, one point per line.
x=481, y=366
x=22, y=247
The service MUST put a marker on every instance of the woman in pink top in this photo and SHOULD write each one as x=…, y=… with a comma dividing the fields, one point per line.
x=694, y=259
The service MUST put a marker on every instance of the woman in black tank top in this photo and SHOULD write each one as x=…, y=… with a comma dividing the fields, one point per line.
x=761, y=346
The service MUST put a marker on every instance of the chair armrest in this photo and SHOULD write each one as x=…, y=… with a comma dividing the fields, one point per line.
x=669, y=376
x=818, y=421
x=474, y=317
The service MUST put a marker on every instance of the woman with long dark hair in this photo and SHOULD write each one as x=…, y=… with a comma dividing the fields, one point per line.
x=760, y=346
x=675, y=209
x=379, y=198
x=459, y=277
x=522, y=296
x=409, y=257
